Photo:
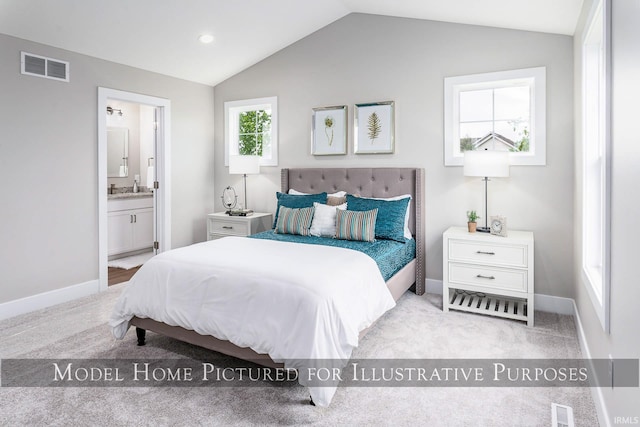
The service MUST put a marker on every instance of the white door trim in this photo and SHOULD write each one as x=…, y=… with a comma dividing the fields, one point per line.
x=163, y=171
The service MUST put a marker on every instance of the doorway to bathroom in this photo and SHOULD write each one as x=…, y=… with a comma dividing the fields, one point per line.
x=134, y=182
x=131, y=141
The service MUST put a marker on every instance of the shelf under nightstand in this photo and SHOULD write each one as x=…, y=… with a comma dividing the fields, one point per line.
x=492, y=305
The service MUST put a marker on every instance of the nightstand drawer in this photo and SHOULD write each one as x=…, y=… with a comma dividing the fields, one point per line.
x=230, y=227
x=488, y=253
x=220, y=224
x=488, y=277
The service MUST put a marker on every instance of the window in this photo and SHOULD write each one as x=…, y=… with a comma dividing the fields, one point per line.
x=595, y=162
x=252, y=129
x=502, y=111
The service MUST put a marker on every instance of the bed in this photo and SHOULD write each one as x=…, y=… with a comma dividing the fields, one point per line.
x=365, y=182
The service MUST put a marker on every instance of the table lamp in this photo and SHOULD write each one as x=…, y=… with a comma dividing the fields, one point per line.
x=487, y=164
x=244, y=165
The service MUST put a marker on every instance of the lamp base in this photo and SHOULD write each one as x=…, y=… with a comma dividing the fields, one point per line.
x=483, y=229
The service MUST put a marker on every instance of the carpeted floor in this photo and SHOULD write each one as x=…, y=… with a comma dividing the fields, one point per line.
x=416, y=328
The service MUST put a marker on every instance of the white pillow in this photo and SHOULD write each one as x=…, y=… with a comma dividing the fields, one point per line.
x=299, y=193
x=407, y=231
x=324, y=219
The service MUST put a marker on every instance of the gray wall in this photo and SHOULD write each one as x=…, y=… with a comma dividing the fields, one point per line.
x=367, y=58
x=48, y=165
x=623, y=340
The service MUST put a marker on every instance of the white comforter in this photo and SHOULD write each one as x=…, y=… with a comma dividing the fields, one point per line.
x=296, y=302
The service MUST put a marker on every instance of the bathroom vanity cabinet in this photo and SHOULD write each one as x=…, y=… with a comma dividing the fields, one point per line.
x=130, y=225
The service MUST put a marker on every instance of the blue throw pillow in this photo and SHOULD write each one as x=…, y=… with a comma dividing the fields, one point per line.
x=297, y=202
x=390, y=219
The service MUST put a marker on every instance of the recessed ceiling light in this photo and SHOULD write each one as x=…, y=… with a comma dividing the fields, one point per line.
x=205, y=38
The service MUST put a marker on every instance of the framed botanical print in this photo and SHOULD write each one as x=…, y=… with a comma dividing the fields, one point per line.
x=374, y=128
x=329, y=131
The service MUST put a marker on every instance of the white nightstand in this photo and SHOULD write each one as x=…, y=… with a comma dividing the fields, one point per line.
x=488, y=274
x=221, y=225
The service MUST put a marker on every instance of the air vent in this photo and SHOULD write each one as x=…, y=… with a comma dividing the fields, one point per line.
x=41, y=66
x=561, y=416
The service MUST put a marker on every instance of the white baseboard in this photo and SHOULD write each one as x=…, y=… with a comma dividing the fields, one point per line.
x=48, y=299
x=551, y=304
x=433, y=286
x=596, y=392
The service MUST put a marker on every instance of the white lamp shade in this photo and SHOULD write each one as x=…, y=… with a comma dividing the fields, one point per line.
x=486, y=163
x=239, y=165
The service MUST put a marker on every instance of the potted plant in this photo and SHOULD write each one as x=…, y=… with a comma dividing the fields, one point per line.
x=472, y=217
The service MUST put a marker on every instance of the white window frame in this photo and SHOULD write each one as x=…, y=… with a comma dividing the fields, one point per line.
x=535, y=78
x=232, y=110
x=596, y=161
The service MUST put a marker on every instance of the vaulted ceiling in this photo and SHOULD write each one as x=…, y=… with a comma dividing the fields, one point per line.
x=162, y=35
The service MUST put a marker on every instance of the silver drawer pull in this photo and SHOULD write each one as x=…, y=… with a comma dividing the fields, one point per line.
x=480, y=276
x=485, y=253
x=227, y=227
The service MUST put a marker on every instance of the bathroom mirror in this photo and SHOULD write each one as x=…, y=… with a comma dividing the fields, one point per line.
x=117, y=152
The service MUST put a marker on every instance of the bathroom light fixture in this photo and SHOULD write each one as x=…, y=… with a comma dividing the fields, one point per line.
x=205, y=38
x=111, y=110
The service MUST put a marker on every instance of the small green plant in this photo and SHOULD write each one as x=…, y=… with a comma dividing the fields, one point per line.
x=472, y=216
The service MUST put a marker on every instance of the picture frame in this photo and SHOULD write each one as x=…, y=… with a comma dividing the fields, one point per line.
x=329, y=131
x=374, y=128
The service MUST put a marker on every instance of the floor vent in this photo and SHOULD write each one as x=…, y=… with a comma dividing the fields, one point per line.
x=41, y=66
x=561, y=415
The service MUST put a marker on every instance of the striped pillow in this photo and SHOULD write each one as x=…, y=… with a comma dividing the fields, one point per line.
x=356, y=225
x=294, y=221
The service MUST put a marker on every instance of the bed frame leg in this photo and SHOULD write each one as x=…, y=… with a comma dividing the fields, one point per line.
x=140, y=333
x=311, y=401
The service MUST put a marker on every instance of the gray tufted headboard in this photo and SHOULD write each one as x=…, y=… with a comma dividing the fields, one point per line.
x=369, y=182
